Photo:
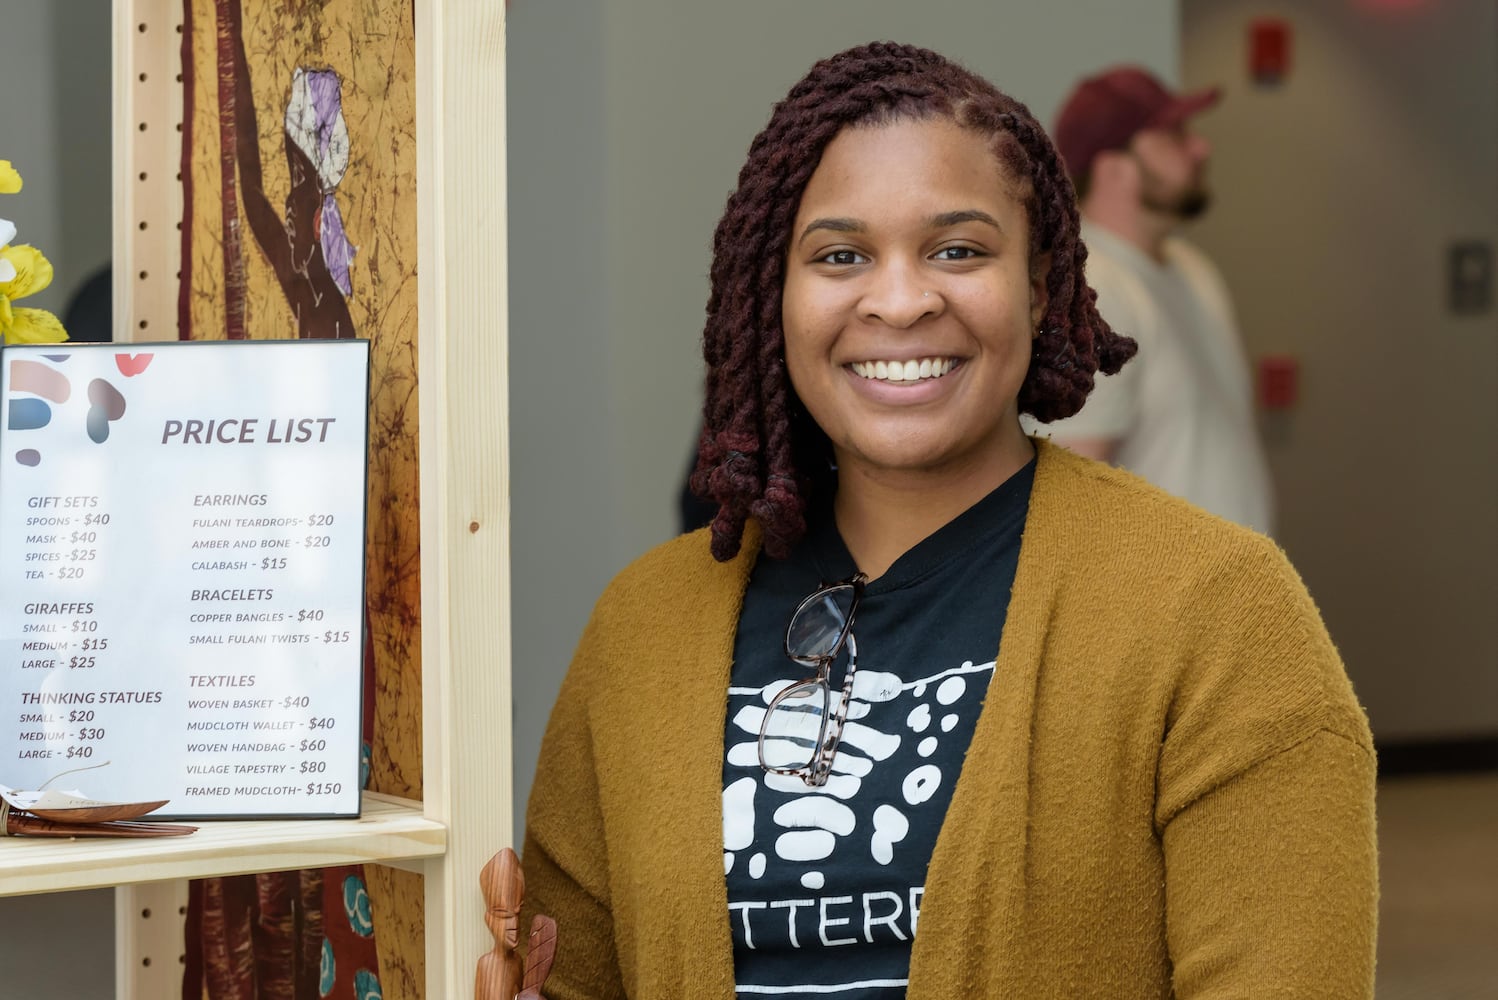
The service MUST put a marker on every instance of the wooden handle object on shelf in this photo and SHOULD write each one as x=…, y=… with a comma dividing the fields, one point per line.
x=17, y=823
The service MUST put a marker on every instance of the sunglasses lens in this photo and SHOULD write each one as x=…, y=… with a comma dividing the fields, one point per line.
x=795, y=727
x=819, y=623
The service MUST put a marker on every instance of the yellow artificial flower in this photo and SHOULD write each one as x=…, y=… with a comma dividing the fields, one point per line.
x=7, y=233
x=33, y=273
x=10, y=183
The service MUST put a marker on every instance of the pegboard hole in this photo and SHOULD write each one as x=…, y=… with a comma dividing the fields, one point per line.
x=142, y=227
x=141, y=27
x=146, y=962
x=142, y=126
x=142, y=78
x=145, y=914
x=142, y=175
x=142, y=324
x=143, y=276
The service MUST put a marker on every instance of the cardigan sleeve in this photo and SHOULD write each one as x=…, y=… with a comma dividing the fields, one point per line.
x=1272, y=883
x=1265, y=797
x=565, y=857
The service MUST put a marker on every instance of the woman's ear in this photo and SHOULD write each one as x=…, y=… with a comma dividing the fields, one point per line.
x=1040, y=298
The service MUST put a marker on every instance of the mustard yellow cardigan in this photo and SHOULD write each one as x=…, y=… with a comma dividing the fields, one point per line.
x=1169, y=793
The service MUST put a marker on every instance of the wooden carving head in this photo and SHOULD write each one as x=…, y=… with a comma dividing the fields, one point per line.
x=503, y=884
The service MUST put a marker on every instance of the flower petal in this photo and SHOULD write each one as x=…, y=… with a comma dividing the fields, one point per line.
x=10, y=181
x=7, y=271
x=5, y=313
x=7, y=232
x=33, y=271
x=35, y=326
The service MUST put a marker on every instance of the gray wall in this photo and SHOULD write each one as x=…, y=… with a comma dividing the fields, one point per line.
x=58, y=945
x=1338, y=194
x=54, y=126
x=627, y=127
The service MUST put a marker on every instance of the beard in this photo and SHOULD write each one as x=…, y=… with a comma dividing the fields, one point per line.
x=1185, y=205
x=1182, y=202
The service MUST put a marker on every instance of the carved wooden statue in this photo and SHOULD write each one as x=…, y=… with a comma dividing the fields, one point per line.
x=538, y=956
x=501, y=975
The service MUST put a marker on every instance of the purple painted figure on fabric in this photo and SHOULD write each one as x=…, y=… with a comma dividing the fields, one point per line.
x=327, y=100
x=314, y=121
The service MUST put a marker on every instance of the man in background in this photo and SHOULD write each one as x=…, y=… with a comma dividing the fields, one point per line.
x=1181, y=413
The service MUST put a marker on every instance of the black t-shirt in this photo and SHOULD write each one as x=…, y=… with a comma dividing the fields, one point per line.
x=825, y=884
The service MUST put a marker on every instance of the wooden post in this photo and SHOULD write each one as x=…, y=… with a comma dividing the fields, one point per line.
x=465, y=508
x=146, y=116
x=147, y=144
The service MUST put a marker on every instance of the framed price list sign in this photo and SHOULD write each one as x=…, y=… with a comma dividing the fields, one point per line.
x=182, y=573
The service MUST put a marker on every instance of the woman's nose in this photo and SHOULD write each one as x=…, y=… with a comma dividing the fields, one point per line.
x=898, y=298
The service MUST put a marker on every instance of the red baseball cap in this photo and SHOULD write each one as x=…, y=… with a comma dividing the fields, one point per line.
x=1105, y=111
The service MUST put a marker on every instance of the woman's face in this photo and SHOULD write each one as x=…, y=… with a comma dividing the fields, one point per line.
x=909, y=302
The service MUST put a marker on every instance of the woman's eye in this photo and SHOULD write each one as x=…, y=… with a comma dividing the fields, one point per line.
x=956, y=253
x=843, y=258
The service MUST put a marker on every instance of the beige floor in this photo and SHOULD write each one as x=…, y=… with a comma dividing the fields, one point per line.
x=1438, y=918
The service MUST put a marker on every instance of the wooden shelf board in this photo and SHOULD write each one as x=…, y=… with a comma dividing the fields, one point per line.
x=390, y=829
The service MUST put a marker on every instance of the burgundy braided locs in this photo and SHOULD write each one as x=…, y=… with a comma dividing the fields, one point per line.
x=1073, y=342
x=760, y=454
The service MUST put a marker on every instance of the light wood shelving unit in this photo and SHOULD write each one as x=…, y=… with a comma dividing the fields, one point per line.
x=390, y=831
x=465, y=815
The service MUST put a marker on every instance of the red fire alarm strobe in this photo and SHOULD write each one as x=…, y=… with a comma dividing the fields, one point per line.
x=1279, y=381
x=1268, y=51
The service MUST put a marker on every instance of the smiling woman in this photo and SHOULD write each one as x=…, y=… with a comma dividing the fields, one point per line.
x=1090, y=740
x=757, y=456
x=912, y=253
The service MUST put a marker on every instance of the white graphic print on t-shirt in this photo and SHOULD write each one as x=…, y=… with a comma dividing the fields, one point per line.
x=844, y=864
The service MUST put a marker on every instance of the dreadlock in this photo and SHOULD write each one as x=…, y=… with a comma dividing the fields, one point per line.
x=760, y=454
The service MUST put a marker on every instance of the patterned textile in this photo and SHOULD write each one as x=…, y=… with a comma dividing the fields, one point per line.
x=286, y=935
x=299, y=220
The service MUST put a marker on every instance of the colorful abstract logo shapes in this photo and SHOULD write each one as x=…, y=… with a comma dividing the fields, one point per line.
x=29, y=414
x=36, y=387
x=108, y=405
x=131, y=365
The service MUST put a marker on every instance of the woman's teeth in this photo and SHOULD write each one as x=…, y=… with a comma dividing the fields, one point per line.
x=903, y=371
